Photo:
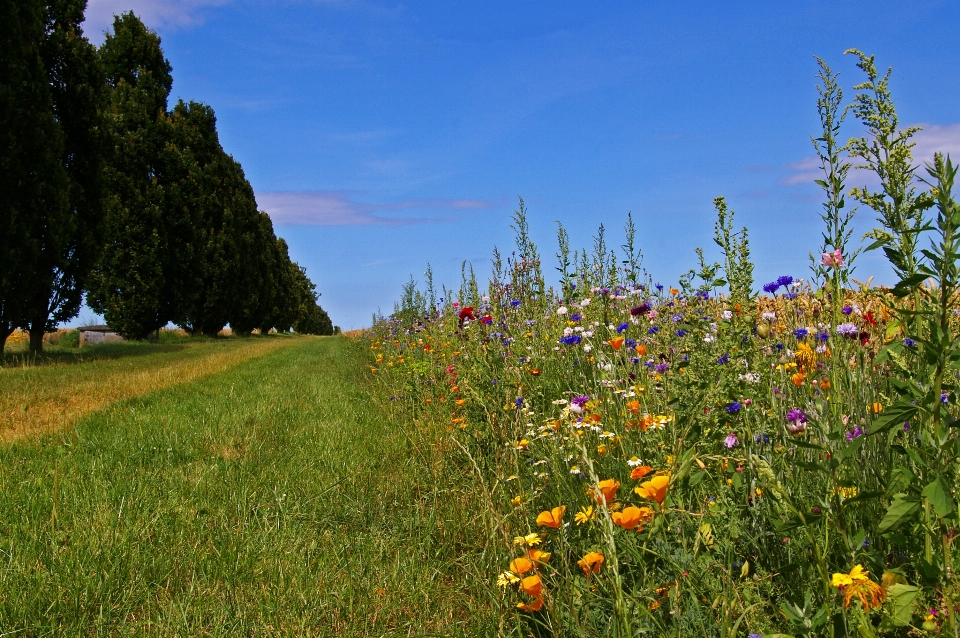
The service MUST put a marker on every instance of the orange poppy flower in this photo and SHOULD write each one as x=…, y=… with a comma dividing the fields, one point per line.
x=641, y=349
x=798, y=378
x=520, y=565
x=538, y=556
x=591, y=562
x=655, y=489
x=532, y=585
x=608, y=491
x=536, y=605
x=552, y=518
x=632, y=517
x=640, y=471
x=616, y=343
x=633, y=406
x=535, y=372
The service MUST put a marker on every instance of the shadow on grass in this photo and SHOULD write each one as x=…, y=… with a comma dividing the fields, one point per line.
x=15, y=357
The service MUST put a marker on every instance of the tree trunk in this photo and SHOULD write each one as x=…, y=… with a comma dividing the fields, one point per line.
x=36, y=338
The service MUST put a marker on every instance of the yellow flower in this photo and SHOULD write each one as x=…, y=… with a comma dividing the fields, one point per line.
x=602, y=449
x=585, y=515
x=858, y=584
x=507, y=578
x=530, y=540
x=516, y=500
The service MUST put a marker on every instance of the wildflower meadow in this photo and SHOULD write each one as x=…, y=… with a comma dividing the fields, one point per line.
x=702, y=458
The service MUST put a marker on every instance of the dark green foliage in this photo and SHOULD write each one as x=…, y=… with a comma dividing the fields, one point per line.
x=129, y=284
x=70, y=235
x=32, y=178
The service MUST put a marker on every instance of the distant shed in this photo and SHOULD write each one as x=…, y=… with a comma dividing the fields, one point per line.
x=98, y=334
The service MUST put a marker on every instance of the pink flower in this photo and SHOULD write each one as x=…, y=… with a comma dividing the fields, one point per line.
x=832, y=260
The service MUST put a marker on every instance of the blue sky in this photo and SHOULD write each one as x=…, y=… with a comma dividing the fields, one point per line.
x=383, y=136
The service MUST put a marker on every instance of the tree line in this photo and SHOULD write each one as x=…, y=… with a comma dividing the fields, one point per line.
x=108, y=194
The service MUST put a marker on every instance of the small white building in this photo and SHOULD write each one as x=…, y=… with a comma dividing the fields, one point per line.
x=98, y=334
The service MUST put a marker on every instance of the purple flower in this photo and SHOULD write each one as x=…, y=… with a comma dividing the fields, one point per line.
x=771, y=287
x=846, y=310
x=909, y=342
x=731, y=441
x=856, y=434
x=519, y=402
x=661, y=367
x=659, y=287
x=800, y=333
x=630, y=343
x=681, y=333
x=575, y=317
x=580, y=400
x=796, y=416
x=623, y=326
x=784, y=281
x=724, y=359
x=634, y=360
x=642, y=309
x=823, y=336
x=848, y=330
x=945, y=397
x=514, y=302
x=653, y=330
x=733, y=408
x=676, y=318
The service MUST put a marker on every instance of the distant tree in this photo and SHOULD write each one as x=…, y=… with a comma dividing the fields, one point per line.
x=256, y=273
x=33, y=181
x=128, y=286
x=69, y=237
x=310, y=317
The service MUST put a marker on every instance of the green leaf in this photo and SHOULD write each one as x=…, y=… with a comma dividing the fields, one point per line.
x=938, y=493
x=902, y=509
x=896, y=414
x=901, y=599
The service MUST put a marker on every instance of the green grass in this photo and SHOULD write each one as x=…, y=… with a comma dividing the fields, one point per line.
x=281, y=497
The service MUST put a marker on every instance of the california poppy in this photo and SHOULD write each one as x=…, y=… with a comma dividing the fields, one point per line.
x=641, y=349
x=608, y=491
x=552, y=518
x=591, y=562
x=616, y=343
x=531, y=585
x=640, y=471
x=632, y=517
x=655, y=489
x=520, y=565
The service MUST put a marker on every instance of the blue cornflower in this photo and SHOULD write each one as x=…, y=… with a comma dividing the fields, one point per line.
x=681, y=333
x=630, y=343
x=659, y=286
x=909, y=342
x=653, y=330
x=800, y=333
x=519, y=402
x=514, y=302
x=733, y=408
x=823, y=336
x=634, y=360
x=724, y=359
x=623, y=326
x=661, y=367
x=778, y=346
x=846, y=310
x=771, y=287
x=571, y=340
x=575, y=317
x=676, y=318
x=790, y=295
x=784, y=281
x=945, y=397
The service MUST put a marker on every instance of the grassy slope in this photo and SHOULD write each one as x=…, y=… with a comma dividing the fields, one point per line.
x=51, y=390
x=274, y=498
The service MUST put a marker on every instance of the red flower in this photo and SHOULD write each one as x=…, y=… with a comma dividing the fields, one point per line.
x=868, y=317
x=486, y=319
x=467, y=313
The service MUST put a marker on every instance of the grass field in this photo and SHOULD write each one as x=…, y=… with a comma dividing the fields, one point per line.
x=252, y=490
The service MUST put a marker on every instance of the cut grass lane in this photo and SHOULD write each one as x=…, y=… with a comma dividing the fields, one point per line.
x=275, y=498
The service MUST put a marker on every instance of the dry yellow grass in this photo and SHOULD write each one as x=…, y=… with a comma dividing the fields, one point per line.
x=37, y=400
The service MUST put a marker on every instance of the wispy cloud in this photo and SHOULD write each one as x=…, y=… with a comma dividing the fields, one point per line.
x=154, y=13
x=934, y=138
x=336, y=208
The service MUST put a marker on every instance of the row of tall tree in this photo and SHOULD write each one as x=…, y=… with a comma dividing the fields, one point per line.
x=108, y=193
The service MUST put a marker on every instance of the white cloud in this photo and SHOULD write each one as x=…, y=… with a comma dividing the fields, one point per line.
x=934, y=138
x=154, y=13
x=335, y=208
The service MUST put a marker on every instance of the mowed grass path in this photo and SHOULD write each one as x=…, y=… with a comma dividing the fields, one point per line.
x=279, y=497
